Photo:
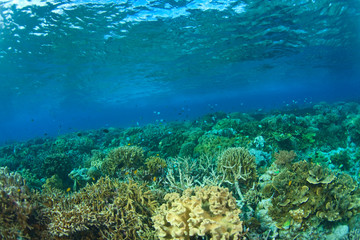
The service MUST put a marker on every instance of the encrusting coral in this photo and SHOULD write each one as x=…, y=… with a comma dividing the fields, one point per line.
x=208, y=211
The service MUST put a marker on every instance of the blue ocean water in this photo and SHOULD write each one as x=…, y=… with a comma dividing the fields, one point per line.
x=73, y=65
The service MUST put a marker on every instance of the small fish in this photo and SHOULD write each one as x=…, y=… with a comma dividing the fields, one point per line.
x=126, y=173
x=157, y=155
x=129, y=144
x=135, y=172
x=68, y=189
x=290, y=182
x=93, y=179
x=105, y=130
x=19, y=190
x=79, y=134
x=154, y=179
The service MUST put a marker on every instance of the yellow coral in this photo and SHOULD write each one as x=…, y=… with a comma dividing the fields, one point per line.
x=106, y=209
x=202, y=211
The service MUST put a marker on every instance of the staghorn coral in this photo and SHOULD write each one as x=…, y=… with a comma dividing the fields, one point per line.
x=208, y=211
x=238, y=167
x=122, y=157
x=107, y=209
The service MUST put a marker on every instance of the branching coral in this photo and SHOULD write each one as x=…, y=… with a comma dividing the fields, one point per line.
x=107, y=209
x=238, y=167
x=208, y=211
x=122, y=157
x=17, y=209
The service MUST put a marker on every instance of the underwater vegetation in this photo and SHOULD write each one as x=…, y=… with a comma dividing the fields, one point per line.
x=287, y=174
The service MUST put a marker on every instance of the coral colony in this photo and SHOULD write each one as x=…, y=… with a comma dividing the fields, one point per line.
x=279, y=175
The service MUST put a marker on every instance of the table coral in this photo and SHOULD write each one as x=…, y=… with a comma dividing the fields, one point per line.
x=208, y=211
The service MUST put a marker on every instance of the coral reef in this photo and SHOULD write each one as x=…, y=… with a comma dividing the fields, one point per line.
x=57, y=163
x=308, y=194
x=239, y=168
x=284, y=158
x=211, y=143
x=18, y=205
x=72, y=196
x=80, y=177
x=199, y=212
x=155, y=165
x=107, y=209
x=341, y=160
x=123, y=157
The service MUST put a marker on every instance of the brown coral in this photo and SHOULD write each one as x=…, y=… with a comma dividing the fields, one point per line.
x=155, y=165
x=284, y=158
x=107, y=209
x=16, y=206
x=122, y=157
x=308, y=191
x=238, y=167
x=208, y=211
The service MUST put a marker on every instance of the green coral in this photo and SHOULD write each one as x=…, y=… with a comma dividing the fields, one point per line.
x=341, y=160
x=123, y=157
x=57, y=163
x=227, y=123
x=53, y=183
x=212, y=144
